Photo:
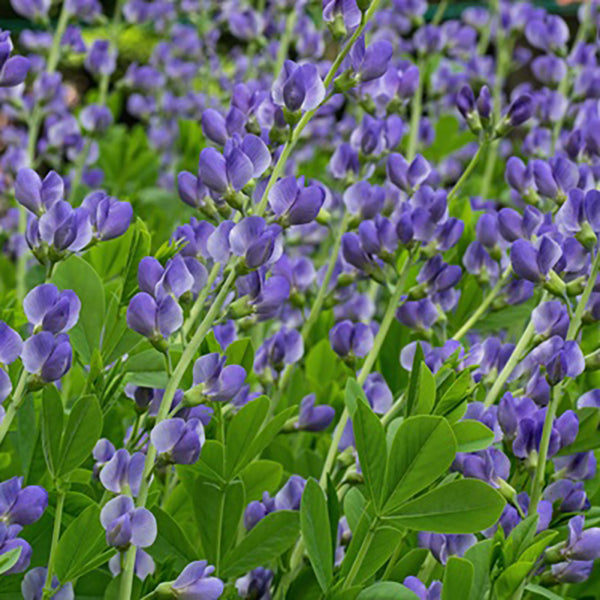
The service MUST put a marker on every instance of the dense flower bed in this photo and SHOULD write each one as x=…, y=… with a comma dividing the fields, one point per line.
x=303, y=303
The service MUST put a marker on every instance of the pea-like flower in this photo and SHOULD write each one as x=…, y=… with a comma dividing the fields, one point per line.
x=126, y=525
x=47, y=356
x=294, y=203
x=38, y=195
x=178, y=441
x=314, y=418
x=49, y=309
x=21, y=505
x=122, y=471
x=32, y=587
x=258, y=243
x=298, y=87
x=195, y=583
x=283, y=348
x=11, y=346
x=109, y=217
x=349, y=338
x=13, y=69
x=220, y=382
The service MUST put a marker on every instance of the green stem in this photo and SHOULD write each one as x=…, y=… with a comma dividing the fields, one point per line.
x=583, y=300
x=360, y=557
x=61, y=26
x=367, y=367
x=13, y=407
x=286, y=38
x=415, y=112
x=467, y=172
x=487, y=301
x=540, y=468
x=60, y=502
x=391, y=413
x=515, y=357
x=308, y=115
x=201, y=299
x=186, y=359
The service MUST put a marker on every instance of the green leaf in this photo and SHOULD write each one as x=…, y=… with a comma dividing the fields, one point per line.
x=413, y=382
x=243, y=429
x=387, y=590
x=354, y=506
x=265, y=542
x=422, y=450
x=171, y=542
x=78, y=275
x=472, y=435
x=82, y=546
x=139, y=248
x=455, y=395
x=538, y=590
x=82, y=431
x=511, y=579
x=425, y=392
x=409, y=564
x=147, y=369
x=218, y=515
x=241, y=353
x=520, y=538
x=316, y=532
x=462, y=506
x=261, y=476
x=371, y=447
x=52, y=427
x=9, y=559
x=480, y=556
x=458, y=578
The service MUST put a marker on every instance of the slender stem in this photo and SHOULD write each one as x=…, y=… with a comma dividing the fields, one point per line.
x=186, y=358
x=360, y=557
x=467, y=172
x=60, y=502
x=394, y=408
x=308, y=115
x=201, y=299
x=540, y=468
x=17, y=400
x=315, y=310
x=61, y=26
x=487, y=301
x=515, y=357
x=286, y=38
x=583, y=300
x=502, y=60
x=367, y=367
x=416, y=108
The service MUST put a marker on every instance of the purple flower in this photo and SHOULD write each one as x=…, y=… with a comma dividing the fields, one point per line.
x=9, y=541
x=569, y=496
x=109, y=217
x=126, y=525
x=582, y=544
x=549, y=33
x=96, y=118
x=13, y=69
x=255, y=584
x=581, y=465
x=34, y=10
x=178, y=441
x=419, y=314
x=220, y=382
x=405, y=176
x=298, y=87
x=101, y=59
x=62, y=227
x=433, y=592
x=191, y=190
x=556, y=178
x=121, y=471
x=314, y=418
x=47, y=356
x=258, y=243
x=574, y=571
x=243, y=160
x=195, y=583
x=443, y=545
x=294, y=203
x=364, y=200
x=154, y=319
x=490, y=465
x=534, y=263
x=283, y=348
x=36, y=195
x=346, y=10
x=32, y=587
x=21, y=505
x=372, y=62
x=551, y=318
x=378, y=393
x=348, y=338
x=47, y=309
